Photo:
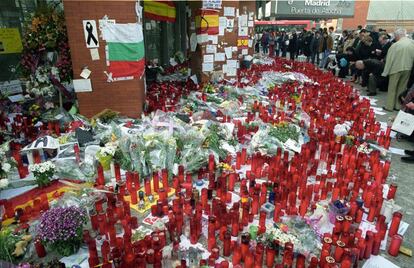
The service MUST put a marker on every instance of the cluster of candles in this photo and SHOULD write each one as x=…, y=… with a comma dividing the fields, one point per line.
x=165, y=96
x=22, y=127
x=357, y=177
x=285, y=187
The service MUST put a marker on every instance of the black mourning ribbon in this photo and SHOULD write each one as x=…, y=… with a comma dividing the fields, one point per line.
x=89, y=29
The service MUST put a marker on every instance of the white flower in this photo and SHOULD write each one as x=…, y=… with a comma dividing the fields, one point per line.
x=6, y=167
x=42, y=169
x=4, y=183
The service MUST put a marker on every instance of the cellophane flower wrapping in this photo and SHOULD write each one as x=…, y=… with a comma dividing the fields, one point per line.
x=308, y=242
x=70, y=169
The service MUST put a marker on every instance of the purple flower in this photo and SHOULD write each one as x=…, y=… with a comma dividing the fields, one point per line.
x=61, y=224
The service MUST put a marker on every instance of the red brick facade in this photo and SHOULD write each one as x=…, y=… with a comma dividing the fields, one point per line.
x=126, y=97
x=360, y=17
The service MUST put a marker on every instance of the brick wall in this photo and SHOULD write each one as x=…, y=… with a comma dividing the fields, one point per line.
x=126, y=97
x=360, y=16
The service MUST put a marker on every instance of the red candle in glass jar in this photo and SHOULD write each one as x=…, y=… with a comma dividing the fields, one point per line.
x=226, y=244
x=244, y=246
x=100, y=180
x=147, y=187
x=288, y=255
x=155, y=181
x=270, y=256
x=313, y=262
x=40, y=249
x=339, y=250
x=134, y=197
x=238, y=160
x=395, y=245
x=237, y=255
x=391, y=191
x=232, y=181
x=300, y=261
x=377, y=244
x=395, y=224
x=249, y=260
x=165, y=184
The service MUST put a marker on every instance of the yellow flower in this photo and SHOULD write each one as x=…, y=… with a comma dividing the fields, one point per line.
x=225, y=166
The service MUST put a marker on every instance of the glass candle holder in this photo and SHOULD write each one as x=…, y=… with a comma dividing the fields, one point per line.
x=391, y=191
x=40, y=249
x=395, y=245
x=395, y=224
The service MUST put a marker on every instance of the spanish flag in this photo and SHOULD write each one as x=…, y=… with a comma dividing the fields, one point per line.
x=207, y=22
x=163, y=10
x=243, y=42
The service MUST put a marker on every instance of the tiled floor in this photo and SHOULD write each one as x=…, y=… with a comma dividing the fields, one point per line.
x=404, y=174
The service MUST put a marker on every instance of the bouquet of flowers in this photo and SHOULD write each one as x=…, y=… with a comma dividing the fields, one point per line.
x=105, y=154
x=43, y=172
x=61, y=229
x=6, y=165
x=39, y=83
x=45, y=31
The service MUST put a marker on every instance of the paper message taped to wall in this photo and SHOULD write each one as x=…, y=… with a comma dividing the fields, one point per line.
x=208, y=67
x=82, y=85
x=229, y=11
x=208, y=58
x=220, y=57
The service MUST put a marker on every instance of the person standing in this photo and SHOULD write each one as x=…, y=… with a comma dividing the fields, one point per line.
x=272, y=43
x=265, y=42
x=348, y=42
x=314, y=47
x=283, y=43
x=327, y=47
x=307, y=45
x=277, y=44
x=341, y=42
x=293, y=45
x=398, y=65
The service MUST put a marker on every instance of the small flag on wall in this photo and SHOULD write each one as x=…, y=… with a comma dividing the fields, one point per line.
x=207, y=22
x=243, y=42
x=160, y=10
x=125, y=49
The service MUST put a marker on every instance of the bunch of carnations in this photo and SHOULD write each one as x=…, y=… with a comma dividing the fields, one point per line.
x=43, y=172
x=60, y=229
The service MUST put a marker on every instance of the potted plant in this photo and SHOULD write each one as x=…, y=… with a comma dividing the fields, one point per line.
x=60, y=229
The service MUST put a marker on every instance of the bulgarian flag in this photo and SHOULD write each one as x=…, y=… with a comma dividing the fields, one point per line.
x=160, y=10
x=125, y=49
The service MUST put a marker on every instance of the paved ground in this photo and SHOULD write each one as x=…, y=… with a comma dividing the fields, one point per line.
x=404, y=177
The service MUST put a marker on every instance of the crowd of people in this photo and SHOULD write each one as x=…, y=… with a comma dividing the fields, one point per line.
x=375, y=59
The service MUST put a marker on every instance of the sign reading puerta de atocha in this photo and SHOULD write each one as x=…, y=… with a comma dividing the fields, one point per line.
x=314, y=8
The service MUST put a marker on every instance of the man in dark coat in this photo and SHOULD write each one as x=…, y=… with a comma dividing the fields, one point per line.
x=293, y=46
x=283, y=38
x=314, y=47
x=385, y=44
x=307, y=45
x=373, y=68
